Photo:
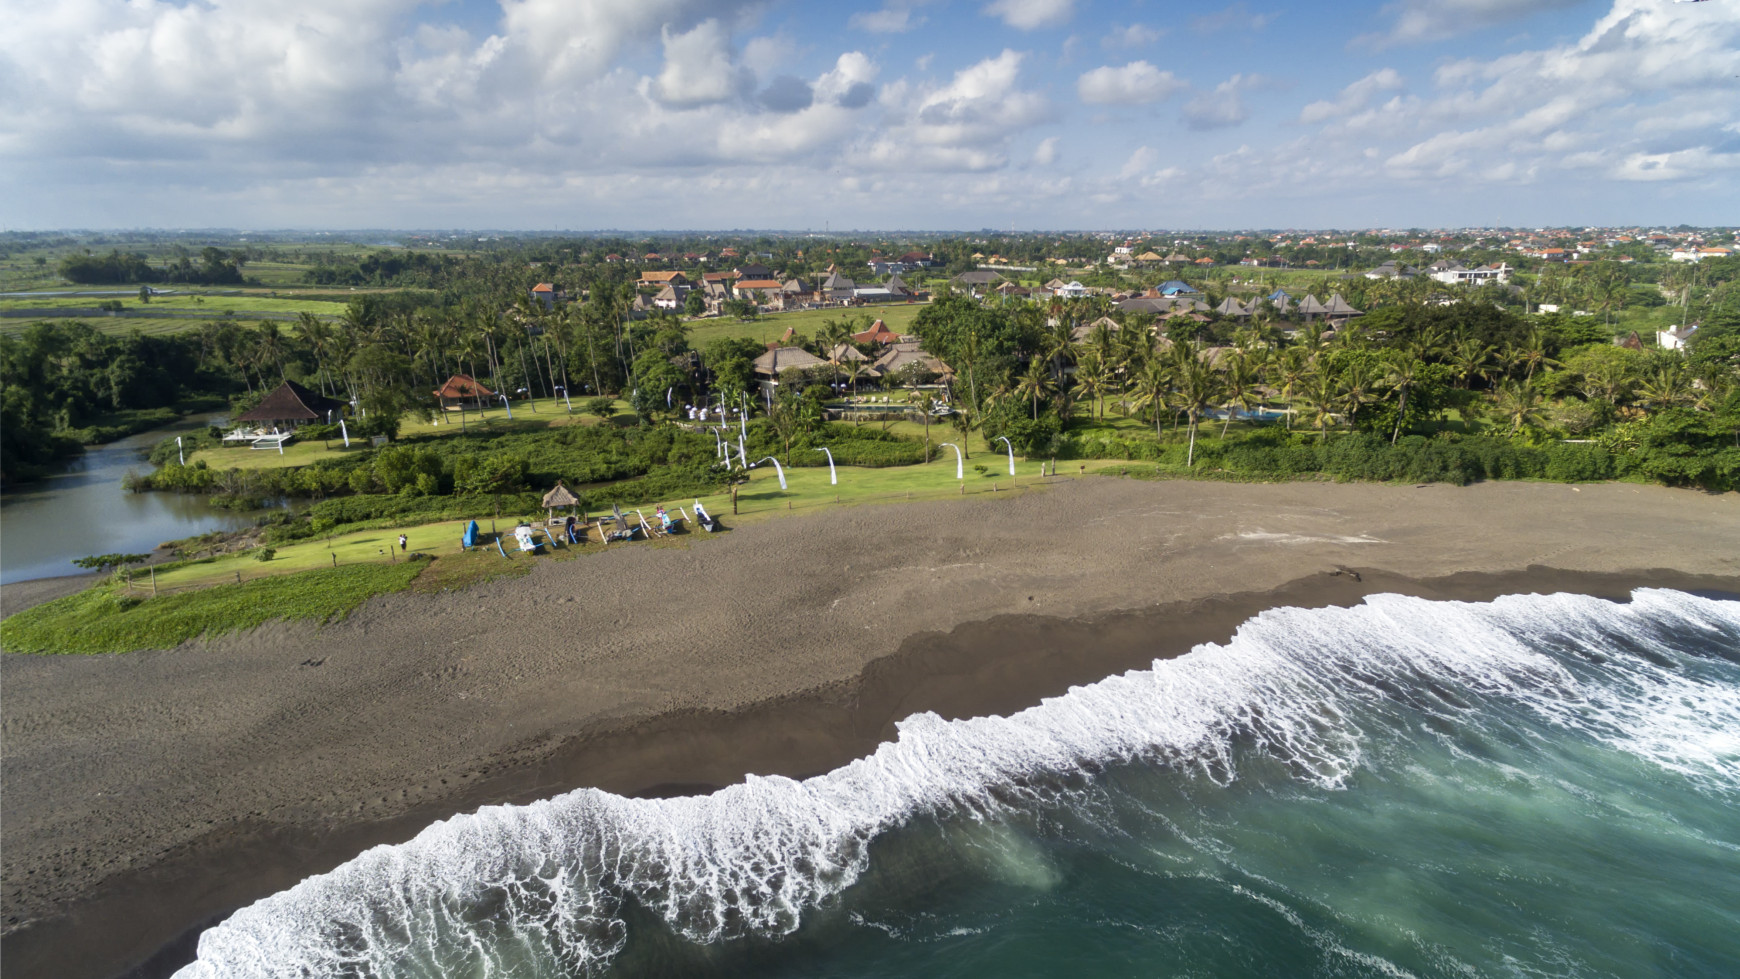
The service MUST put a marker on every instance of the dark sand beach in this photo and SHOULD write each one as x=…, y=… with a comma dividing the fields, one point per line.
x=146, y=795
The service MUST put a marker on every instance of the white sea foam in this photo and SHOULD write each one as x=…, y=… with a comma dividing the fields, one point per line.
x=538, y=890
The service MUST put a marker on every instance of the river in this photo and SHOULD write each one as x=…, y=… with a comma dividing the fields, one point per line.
x=84, y=510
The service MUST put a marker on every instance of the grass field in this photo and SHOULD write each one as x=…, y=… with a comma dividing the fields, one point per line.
x=197, y=302
x=538, y=413
x=111, y=618
x=772, y=326
x=807, y=489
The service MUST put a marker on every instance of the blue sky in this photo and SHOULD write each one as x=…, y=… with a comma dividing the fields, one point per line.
x=921, y=114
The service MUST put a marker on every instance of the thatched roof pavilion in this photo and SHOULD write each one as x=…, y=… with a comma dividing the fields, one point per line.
x=559, y=496
x=780, y=359
x=291, y=404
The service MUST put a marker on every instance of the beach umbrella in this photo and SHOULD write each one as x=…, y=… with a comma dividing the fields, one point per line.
x=1005, y=440
x=960, y=461
x=832, y=480
x=777, y=469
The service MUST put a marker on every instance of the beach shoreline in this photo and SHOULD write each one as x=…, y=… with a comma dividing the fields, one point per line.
x=954, y=610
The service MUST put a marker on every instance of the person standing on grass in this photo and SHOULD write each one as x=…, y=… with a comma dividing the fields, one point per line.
x=401, y=543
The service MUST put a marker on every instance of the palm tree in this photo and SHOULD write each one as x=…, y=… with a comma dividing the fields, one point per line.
x=1606, y=382
x=1289, y=373
x=1035, y=383
x=1196, y=386
x=1239, y=391
x=1153, y=388
x=315, y=332
x=1533, y=354
x=1322, y=395
x=1134, y=349
x=1057, y=345
x=1094, y=378
x=964, y=420
x=1469, y=356
x=1358, y=388
x=856, y=370
x=1519, y=403
x=1402, y=370
x=271, y=347
x=1667, y=386
x=833, y=334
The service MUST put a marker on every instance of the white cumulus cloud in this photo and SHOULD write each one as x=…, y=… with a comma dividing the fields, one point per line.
x=1425, y=21
x=1137, y=83
x=1354, y=97
x=1030, y=15
x=1224, y=106
x=699, y=68
x=1131, y=36
x=892, y=19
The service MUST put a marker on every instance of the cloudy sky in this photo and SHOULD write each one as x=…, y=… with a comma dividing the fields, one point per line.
x=890, y=114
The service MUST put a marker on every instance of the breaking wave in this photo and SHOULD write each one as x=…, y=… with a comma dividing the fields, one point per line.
x=542, y=889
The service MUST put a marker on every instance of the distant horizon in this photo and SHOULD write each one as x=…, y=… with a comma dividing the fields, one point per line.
x=885, y=232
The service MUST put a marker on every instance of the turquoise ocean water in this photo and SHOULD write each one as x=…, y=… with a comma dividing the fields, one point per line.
x=1537, y=786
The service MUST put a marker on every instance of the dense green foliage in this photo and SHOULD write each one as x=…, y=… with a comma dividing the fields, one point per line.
x=215, y=267
x=1046, y=374
x=104, y=562
x=65, y=384
x=104, y=620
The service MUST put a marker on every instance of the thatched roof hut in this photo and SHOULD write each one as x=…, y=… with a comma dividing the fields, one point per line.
x=780, y=359
x=559, y=496
x=292, y=404
x=845, y=352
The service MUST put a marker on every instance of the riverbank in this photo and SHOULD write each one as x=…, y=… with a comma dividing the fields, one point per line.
x=16, y=596
x=147, y=793
x=85, y=510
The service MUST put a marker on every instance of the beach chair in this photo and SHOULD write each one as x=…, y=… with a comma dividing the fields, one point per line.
x=527, y=542
x=622, y=529
x=705, y=519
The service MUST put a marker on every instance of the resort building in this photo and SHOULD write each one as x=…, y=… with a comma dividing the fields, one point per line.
x=291, y=405
x=461, y=391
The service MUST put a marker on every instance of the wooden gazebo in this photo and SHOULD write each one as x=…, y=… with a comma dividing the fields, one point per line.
x=559, y=496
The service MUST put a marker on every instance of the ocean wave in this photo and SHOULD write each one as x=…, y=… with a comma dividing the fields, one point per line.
x=540, y=890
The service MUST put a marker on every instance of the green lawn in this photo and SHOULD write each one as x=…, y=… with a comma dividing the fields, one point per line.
x=116, y=325
x=209, y=307
x=772, y=326
x=527, y=416
x=806, y=489
x=110, y=618
x=193, y=302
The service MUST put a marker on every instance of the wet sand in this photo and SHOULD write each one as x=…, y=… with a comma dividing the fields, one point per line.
x=20, y=595
x=149, y=794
